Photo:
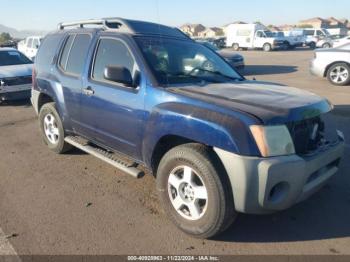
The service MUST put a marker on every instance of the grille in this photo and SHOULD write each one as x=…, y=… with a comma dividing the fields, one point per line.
x=312, y=134
x=15, y=81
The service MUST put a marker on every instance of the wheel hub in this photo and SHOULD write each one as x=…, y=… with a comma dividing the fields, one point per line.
x=187, y=193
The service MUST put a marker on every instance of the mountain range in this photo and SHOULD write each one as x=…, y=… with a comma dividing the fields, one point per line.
x=20, y=33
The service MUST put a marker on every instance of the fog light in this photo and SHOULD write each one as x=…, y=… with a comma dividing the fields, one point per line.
x=279, y=192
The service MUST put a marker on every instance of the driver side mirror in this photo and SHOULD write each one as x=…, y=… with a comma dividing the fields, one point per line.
x=118, y=74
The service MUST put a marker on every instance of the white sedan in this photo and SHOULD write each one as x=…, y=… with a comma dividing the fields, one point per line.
x=333, y=63
x=341, y=41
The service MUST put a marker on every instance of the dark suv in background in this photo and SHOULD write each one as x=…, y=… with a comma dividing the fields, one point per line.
x=145, y=97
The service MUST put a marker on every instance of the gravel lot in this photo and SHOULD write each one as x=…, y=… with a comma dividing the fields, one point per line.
x=76, y=204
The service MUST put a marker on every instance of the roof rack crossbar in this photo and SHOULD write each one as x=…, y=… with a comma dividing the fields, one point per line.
x=106, y=23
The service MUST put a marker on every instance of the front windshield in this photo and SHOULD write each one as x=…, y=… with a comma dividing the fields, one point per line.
x=269, y=34
x=182, y=62
x=8, y=58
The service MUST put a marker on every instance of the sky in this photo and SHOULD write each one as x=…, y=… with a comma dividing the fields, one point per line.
x=46, y=14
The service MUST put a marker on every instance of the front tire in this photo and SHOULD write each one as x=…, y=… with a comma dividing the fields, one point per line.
x=339, y=74
x=194, y=191
x=52, y=130
x=312, y=45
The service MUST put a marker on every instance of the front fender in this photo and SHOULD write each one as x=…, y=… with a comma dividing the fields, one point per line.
x=204, y=126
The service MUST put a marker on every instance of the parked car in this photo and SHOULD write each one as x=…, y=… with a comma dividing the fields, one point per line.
x=10, y=43
x=317, y=37
x=217, y=144
x=219, y=43
x=341, y=41
x=234, y=59
x=252, y=36
x=291, y=41
x=15, y=75
x=30, y=46
x=324, y=42
x=333, y=63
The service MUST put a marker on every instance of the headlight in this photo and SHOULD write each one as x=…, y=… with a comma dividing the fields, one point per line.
x=273, y=140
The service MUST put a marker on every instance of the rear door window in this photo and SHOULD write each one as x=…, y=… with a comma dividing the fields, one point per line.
x=74, y=54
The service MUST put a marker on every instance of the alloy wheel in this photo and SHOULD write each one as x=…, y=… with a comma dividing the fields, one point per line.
x=187, y=193
x=51, y=129
x=339, y=74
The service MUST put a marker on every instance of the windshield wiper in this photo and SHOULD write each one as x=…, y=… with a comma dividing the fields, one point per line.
x=215, y=73
x=180, y=74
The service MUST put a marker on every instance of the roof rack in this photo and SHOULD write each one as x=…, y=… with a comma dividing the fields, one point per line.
x=106, y=23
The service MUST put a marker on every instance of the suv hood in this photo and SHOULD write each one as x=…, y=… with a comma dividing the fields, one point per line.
x=229, y=54
x=271, y=103
x=15, y=70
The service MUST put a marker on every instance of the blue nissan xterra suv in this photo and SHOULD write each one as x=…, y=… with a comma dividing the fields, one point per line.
x=146, y=98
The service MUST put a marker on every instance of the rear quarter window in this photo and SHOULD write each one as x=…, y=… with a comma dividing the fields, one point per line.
x=47, y=51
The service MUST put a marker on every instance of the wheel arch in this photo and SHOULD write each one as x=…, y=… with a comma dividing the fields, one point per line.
x=43, y=99
x=173, y=124
x=168, y=142
x=163, y=145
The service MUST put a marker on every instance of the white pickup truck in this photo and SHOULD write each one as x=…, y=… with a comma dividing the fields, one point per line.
x=30, y=46
x=252, y=36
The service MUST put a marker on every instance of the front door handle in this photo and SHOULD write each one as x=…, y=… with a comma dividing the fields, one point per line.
x=88, y=91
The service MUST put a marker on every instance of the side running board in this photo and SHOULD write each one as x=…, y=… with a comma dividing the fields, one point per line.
x=106, y=156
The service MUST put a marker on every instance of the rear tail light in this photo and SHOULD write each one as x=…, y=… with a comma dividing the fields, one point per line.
x=33, y=78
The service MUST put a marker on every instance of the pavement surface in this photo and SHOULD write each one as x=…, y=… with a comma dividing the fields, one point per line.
x=75, y=204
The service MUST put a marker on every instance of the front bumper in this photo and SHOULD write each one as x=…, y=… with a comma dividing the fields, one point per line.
x=316, y=68
x=238, y=65
x=265, y=185
x=19, y=92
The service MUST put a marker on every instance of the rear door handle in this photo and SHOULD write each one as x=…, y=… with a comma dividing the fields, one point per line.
x=88, y=91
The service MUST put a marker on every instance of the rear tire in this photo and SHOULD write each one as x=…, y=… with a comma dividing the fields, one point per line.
x=312, y=45
x=267, y=47
x=235, y=47
x=52, y=130
x=326, y=45
x=204, y=206
x=339, y=74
